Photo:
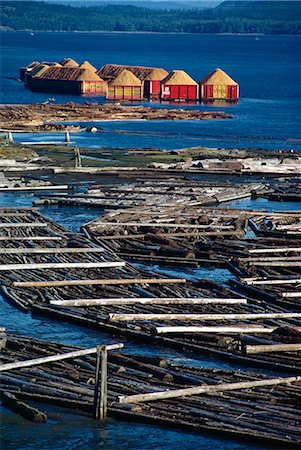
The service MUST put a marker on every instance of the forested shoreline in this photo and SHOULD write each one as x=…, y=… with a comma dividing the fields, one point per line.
x=268, y=17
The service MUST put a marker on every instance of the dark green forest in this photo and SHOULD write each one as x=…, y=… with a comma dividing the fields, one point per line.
x=269, y=17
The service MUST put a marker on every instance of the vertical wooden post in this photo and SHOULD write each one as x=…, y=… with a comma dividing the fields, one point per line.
x=101, y=389
x=77, y=157
x=96, y=388
x=104, y=383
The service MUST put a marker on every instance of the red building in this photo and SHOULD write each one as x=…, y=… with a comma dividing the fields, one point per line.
x=179, y=86
x=152, y=83
x=126, y=86
x=218, y=85
x=150, y=77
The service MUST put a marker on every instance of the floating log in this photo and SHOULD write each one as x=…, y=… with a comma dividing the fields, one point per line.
x=201, y=233
x=114, y=317
x=269, y=258
x=271, y=348
x=30, y=238
x=150, y=301
x=43, y=266
x=85, y=282
x=49, y=250
x=27, y=412
x=274, y=250
x=269, y=282
x=216, y=329
x=24, y=225
x=276, y=263
x=36, y=188
x=149, y=224
x=197, y=390
x=17, y=214
x=291, y=294
x=55, y=358
x=170, y=260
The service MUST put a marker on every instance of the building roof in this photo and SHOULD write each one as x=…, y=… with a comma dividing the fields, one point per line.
x=69, y=74
x=157, y=74
x=111, y=71
x=178, y=77
x=219, y=77
x=126, y=78
x=87, y=65
x=68, y=62
x=32, y=65
x=38, y=70
x=51, y=63
x=89, y=75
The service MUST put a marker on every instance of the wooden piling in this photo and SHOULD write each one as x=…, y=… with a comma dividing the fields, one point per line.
x=101, y=383
x=104, y=383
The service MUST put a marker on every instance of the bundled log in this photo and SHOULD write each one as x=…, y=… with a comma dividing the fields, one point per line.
x=187, y=397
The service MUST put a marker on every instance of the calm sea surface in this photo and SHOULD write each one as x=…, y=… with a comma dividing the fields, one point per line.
x=267, y=68
x=267, y=116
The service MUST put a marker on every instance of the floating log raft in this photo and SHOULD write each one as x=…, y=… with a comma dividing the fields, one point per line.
x=217, y=398
x=146, y=194
x=49, y=291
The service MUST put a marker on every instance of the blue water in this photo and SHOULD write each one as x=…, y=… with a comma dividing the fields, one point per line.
x=268, y=71
x=64, y=431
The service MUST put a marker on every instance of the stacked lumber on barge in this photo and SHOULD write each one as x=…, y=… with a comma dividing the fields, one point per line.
x=48, y=269
x=158, y=391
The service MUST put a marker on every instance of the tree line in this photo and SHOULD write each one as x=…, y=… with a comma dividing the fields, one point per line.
x=268, y=17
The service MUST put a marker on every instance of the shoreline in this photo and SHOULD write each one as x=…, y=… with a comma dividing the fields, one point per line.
x=148, y=33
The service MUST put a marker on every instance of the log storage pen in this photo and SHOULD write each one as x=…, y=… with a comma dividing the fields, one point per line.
x=201, y=316
x=169, y=394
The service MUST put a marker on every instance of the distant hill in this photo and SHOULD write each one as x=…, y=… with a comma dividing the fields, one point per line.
x=149, y=4
x=269, y=17
x=260, y=10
